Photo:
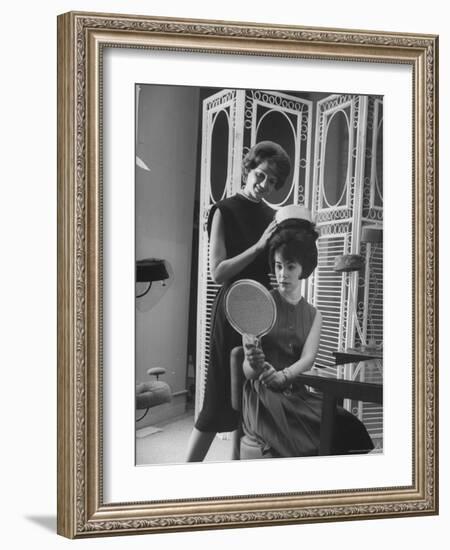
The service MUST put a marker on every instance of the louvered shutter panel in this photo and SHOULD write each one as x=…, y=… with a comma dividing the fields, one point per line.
x=225, y=107
x=329, y=297
x=349, y=300
x=370, y=304
x=339, y=160
x=254, y=115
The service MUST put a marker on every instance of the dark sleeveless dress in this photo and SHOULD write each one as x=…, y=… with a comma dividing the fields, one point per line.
x=244, y=222
x=287, y=424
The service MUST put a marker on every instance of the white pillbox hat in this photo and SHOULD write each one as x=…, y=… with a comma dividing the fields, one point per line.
x=293, y=212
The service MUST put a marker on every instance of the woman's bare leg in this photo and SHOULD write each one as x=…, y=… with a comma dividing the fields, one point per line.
x=199, y=444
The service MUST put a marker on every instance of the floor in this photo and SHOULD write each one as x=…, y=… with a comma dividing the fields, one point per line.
x=168, y=445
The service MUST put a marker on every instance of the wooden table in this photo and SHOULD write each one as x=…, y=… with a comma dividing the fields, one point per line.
x=335, y=390
x=355, y=355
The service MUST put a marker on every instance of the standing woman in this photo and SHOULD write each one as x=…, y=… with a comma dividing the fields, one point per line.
x=238, y=228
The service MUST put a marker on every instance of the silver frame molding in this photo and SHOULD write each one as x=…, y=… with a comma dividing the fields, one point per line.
x=81, y=38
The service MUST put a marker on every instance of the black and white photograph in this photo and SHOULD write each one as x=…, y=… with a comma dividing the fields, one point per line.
x=259, y=274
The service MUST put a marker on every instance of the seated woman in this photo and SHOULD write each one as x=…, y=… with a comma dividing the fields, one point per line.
x=282, y=417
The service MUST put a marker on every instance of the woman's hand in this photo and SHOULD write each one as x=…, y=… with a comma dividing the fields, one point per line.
x=268, y=232
x=253, y=353
x=273, y=379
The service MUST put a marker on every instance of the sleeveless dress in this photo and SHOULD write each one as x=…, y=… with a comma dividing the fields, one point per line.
x=244, y=222
x=287, y=424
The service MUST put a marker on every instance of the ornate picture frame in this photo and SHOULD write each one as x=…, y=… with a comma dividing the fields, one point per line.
x=82, y=41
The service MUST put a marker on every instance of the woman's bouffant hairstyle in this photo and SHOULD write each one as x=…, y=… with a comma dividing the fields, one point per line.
x=295, y=240
x=274, y=154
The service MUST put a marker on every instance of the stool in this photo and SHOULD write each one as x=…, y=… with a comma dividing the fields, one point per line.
x=251, y=450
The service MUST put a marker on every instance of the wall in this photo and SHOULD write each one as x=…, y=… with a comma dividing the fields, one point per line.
x=167, y=144
x=28, y=230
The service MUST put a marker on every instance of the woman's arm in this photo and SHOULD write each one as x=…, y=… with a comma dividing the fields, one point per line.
x=278, y=380
x=223, y=268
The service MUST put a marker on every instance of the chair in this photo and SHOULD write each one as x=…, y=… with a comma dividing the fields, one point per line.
x=150, y=394
x=333, y=390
